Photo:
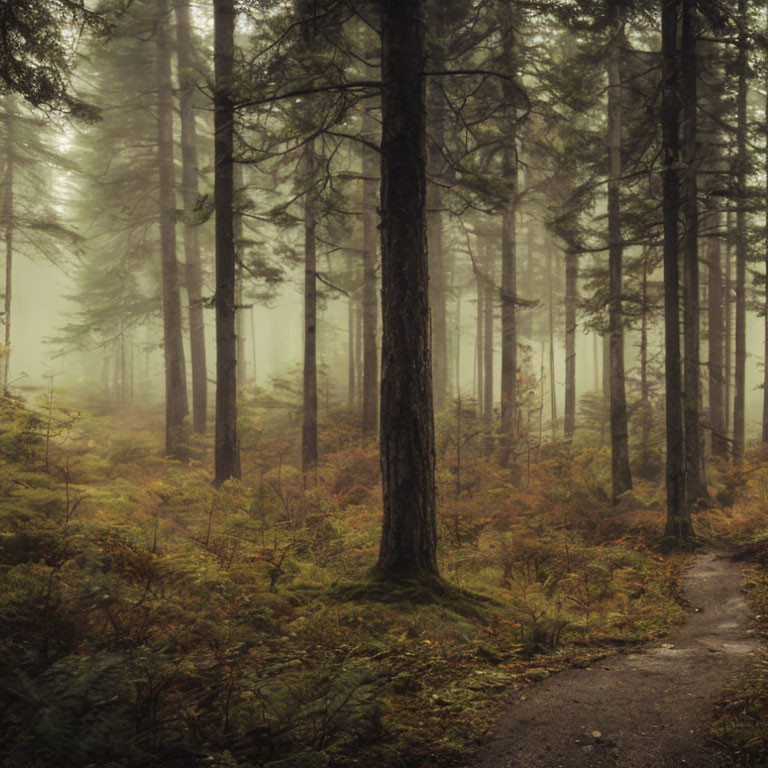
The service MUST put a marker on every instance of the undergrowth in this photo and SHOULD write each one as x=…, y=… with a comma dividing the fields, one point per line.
x=148, y=618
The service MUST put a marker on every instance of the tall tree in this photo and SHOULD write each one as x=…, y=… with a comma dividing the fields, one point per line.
x=509, y=173
x=678, y=514
x=620, y=471
x=309, y=410
x=176, y=405
x=408, y=545
x=187, y=75
x=742, y=163
x=694, y=468
x=370, y=170
x=227, y=447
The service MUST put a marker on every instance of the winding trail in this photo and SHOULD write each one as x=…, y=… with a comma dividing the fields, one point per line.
x=648, y=709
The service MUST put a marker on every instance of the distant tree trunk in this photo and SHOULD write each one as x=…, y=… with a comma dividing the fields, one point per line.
x=571, y=297
x=696, y=488
x=645, y=393
x=8, y=216
x=741, y=241
x=309, y=429
x=489, y=305
x=479, y=342
x=509, y=172
x=242, y=365
x=678, y=514
x=370, y=297
x=765, y=298
x=551, y=305
x=620, y=472
x=715, y=322
x=189, y=191
x=351, y=332
x=435, y=171
x=176, y=406
x=227, y=446
x=728, y=324
x=408, y=547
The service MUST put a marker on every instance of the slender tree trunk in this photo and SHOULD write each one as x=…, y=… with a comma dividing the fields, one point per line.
x=728, y=324
x=8, y=221
x=227, y=447
x=408, y=546
x=551, y=305
x=620, y=472
x=189, y=190
x=696, y=489
x=309, y=429
x=351, y=332
x=645, y=393
x=678, y=514
x=765, y=297
x=242, y=365
x=509, y=248
x=479, y=343
x=741, y=242
x=370, y=162
x=488, y=307
x=715, y=322
x=571, y=297
x=176, y=406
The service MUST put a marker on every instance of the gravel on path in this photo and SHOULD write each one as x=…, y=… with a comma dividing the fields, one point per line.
x=646, y=709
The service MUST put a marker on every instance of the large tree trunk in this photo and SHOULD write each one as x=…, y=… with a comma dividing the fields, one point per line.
x=309, y=428
x=408, y=546
x=571, y=297
x=370, y=298
x=620, y=472
x=715, y=323
x=728, y=354
x=189, y=191
x=741, y=242
x=695, y=484
x=176, y=406
x=227, y=448
x=8, y=214
x=678, y=514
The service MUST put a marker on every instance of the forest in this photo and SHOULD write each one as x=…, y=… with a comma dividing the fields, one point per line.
x=384, y=383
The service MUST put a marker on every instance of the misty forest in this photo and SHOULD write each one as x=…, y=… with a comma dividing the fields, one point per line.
x=384, y=383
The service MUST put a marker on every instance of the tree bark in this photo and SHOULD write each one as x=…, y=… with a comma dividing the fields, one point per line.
x=678, y=515
x=8, y=215
x=571, y=297
x=741, y=241
x=696, y=489
x=509, y=248
x=551, y=307
x=715, y=340
x=489, y=305
x=370, y=162
x=621, y=474
x=189, y=191
x=309, y=428
x=176, y=406
x=408, y=547
x=227, y=446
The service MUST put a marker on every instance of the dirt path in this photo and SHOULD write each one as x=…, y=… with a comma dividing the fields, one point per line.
x=649, y=709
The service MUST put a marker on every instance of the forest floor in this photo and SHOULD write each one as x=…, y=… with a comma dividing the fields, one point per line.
x=651, y=708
